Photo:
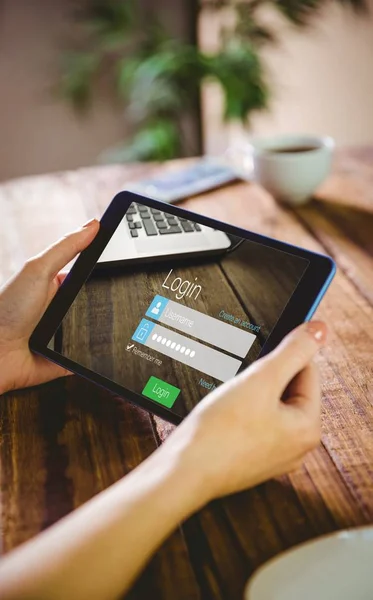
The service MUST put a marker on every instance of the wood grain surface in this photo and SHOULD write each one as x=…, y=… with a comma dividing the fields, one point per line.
x=62, y=443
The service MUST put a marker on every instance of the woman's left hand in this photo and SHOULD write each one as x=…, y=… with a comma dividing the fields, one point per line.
x=23, y=301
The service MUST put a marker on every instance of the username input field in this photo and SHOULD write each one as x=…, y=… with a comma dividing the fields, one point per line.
x=201, y=326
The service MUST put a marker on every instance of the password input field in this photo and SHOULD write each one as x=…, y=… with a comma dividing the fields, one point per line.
x=201, y=326
x=192, y=353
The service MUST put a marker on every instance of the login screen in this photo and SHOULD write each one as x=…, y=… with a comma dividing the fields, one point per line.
x=173, y=308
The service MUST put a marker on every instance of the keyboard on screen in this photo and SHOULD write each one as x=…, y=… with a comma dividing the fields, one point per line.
x=151, y=221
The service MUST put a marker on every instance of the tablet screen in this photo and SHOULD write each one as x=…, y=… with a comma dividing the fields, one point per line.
x=174, y=308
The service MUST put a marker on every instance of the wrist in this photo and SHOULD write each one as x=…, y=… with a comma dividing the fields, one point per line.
x=183, y=465
x=169, y=475
x=180, y=480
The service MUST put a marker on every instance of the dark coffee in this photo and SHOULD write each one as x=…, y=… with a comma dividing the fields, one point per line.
x=291, y=149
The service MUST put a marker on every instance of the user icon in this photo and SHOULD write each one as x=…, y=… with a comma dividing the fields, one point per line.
x=156, y=307
x=155, y=310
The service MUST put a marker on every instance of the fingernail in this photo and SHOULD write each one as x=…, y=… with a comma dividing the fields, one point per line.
x=318, y=330
x=88, y=223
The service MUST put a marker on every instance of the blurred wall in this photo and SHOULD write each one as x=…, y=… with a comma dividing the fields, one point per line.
x=38, y=132
x=322, y=80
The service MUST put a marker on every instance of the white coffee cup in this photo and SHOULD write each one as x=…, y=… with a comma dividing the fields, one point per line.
x=290, y=167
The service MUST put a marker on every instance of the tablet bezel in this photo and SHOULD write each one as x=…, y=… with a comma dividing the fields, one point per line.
x=300, y=307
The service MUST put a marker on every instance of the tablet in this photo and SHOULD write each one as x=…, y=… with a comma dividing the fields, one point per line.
x=165, y=305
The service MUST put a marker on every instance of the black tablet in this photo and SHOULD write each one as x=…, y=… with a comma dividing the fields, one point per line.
x=165, y=304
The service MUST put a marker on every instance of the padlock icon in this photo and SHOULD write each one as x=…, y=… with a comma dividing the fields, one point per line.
x=143, y=332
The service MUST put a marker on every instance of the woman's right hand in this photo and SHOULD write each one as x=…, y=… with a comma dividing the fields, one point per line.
x=258, y=425
x=254, y=427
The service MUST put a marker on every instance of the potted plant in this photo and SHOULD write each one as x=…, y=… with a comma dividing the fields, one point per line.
x=158, y=77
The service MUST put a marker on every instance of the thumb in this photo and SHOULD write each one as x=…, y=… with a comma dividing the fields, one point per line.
x=54, y=258
x=296, y=351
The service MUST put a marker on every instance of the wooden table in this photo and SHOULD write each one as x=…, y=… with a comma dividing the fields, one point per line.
x=63, y=442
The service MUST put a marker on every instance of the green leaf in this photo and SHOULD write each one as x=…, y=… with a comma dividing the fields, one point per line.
x=158, y=141
x=109, y=16
x=241, y=75
x=249, y=28
x=126, y=73
x=302, y=12
x=299, y=12
x=78, y=72
x=156, y=84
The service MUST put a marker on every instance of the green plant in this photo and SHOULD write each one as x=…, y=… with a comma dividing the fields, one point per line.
x=158, y=78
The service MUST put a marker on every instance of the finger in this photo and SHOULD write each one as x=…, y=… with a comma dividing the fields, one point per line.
x=55, y=285
x=295, y=351
x=61, y=278
x=303, y=407
x=304, y=389
x=48, y=371
x=54, y=258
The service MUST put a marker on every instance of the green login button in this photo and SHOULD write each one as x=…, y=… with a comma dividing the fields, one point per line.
x=161, y=392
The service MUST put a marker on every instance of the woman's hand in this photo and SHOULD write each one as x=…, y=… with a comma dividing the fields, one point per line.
x=258, y=425
x=23, y=301
x=254, y=427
